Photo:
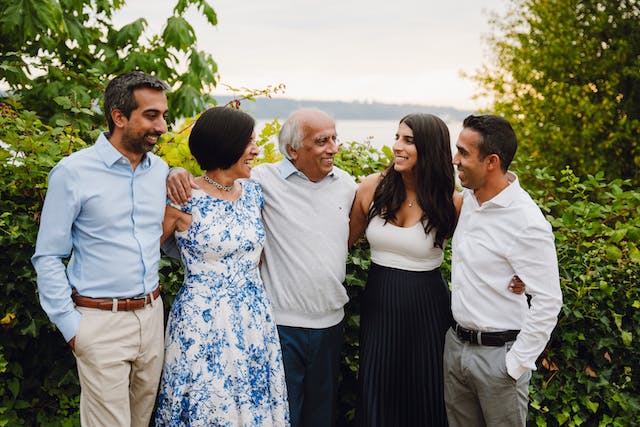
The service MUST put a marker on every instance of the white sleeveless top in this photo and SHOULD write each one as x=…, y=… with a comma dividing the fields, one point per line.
x=406, y=248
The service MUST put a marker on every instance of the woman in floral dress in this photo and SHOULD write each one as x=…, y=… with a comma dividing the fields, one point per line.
x=223, y=365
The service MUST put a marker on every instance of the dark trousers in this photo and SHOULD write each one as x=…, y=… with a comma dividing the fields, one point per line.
x=312, y=365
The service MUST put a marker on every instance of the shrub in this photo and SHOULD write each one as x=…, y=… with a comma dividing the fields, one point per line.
x=38, y=381
x=588, y=375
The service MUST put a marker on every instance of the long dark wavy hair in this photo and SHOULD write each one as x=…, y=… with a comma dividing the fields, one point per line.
x=435, y=181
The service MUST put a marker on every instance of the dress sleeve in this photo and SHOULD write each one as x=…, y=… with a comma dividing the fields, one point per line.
x=186, y=208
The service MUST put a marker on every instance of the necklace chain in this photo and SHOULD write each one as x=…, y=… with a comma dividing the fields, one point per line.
x=218, y=185
x=411, y=202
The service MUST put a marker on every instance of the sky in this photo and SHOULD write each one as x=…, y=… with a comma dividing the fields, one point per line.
x=393, y=51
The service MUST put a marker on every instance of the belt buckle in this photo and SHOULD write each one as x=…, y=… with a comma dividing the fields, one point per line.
x=143, y=297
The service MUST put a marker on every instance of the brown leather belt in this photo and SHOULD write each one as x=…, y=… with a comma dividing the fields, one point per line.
x=115, y=304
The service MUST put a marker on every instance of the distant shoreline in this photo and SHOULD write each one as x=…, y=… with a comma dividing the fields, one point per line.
x=268, y=108
x=374, y=132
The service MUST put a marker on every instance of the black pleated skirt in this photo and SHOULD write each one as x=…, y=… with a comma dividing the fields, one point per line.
x=403, y=320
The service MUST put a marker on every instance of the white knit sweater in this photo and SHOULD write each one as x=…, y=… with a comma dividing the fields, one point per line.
x=303, y=263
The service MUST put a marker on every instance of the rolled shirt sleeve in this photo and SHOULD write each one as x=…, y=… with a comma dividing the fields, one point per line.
x=533, y=258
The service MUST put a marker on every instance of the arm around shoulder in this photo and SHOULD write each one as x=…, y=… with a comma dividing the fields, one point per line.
x=358, y=218
x=457, y=202
x=174, y=219
x=179, y=185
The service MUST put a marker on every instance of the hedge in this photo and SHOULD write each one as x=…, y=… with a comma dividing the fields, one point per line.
x=588, y=376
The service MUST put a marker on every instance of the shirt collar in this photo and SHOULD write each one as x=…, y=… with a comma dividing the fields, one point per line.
x=506, y=196
x=286, y=169
x=110, y=155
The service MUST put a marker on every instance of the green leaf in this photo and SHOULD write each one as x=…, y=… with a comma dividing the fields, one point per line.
x=30, y=329
x=618, y=235
x=613, y=253
x=634, y=253
x=627, y=337
x=21, y=404
x=592, y=406
x=178, y=33
x=128, y=34
x=14, y=387
x=181, y=6
x=32, y=18
x=63, y=101
x=203, y=67
x=209, y=13
x=563, y=416
x=633, y=234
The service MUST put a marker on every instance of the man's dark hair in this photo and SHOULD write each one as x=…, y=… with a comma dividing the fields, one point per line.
x=119, y=93
x=219, y=137
x=496, y=137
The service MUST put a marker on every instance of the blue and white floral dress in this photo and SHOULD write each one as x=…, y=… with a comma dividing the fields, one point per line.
x=223, y=365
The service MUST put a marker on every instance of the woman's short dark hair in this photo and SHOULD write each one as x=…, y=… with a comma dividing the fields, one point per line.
x=220, y=136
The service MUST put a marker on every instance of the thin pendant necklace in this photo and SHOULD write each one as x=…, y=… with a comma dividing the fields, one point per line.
x=411, y=203
x=218, y=186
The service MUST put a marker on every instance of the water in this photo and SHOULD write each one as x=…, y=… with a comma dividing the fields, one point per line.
x=377, y=132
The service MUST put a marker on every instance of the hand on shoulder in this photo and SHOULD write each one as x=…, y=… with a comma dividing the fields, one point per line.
x=179, y=185
x=370, y=181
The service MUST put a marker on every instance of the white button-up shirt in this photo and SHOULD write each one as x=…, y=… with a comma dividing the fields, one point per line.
x=504, y=236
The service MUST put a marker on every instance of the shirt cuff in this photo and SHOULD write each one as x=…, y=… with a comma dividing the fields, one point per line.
x=514, y=369
x=68, y=324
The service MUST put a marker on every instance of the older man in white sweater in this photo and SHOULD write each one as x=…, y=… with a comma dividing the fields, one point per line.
x=306, y=215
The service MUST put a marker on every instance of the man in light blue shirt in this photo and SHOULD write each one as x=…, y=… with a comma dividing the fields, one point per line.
x=104, y=209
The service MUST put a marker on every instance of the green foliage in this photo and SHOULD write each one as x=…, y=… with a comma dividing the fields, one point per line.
x=359, y=160
x=38, y=384
x=578, y=106
x=57, y=55
x=589, y=375
x=174, y=146
x=567, y=75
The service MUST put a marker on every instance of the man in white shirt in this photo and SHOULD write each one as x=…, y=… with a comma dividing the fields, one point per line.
x=497, y=335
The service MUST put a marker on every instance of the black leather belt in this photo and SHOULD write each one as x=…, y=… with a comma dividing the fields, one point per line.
x=493, y=339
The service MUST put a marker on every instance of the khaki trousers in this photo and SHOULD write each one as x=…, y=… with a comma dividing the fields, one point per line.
x=478, y=391
x=119, y=358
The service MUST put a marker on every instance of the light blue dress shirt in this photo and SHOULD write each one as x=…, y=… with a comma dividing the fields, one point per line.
x=108, y=219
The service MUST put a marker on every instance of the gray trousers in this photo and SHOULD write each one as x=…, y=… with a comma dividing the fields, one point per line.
x=478, y=391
